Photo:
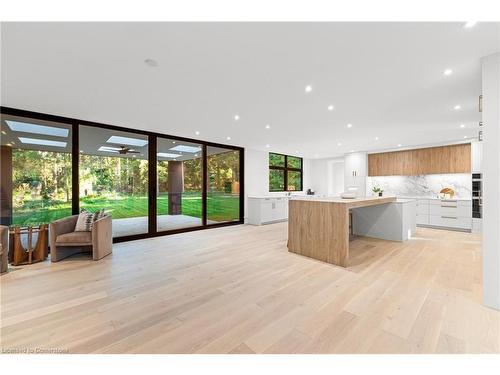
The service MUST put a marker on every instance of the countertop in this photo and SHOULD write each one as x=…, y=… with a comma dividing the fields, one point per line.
x=434, y=198
x=342, y=200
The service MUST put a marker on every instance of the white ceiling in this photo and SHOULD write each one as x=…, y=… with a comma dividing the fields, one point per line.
x=386, y=79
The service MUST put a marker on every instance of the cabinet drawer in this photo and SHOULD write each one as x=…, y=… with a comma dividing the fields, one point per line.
x=423, y=209
x=450, y=210
x=423, y=219
x=451, y=221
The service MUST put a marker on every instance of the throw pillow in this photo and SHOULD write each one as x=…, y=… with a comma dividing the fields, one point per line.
x=84, y=222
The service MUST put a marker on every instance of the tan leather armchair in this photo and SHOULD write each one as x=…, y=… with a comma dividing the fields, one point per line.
x=4, y=248
x=64, y=241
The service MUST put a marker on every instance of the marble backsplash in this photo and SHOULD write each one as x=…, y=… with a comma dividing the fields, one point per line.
x=422, y=185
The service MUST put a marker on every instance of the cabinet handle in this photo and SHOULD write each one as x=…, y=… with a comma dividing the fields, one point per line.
x=448, y=206
x=449, y=217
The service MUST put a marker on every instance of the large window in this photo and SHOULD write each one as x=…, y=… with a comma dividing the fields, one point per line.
x=285, y=172
x=114, y=177
x=36, y=171
x=179, y=170
x=53, y=167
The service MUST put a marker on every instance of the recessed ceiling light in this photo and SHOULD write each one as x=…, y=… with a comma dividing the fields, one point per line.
x=448, y=72
x=133, y=156
x=376, y=138
x=167, y=155
x=399, y=144
x=457, y=107
x=37, y=129
x=462, y=126
x=151, y=62
x=352, y=150
x=185, y=148
x=116, y=139
x=3, y=132
x=465, y=137
x=308, y=88
x=470, y=24
x=339, y=144
x=330, y=107
x=42, y=142
x=349, y=125
x=268, y=126
x=173, y=142
x=236, y=117
x=228, y=138
x=197, y=132
x=268, y=146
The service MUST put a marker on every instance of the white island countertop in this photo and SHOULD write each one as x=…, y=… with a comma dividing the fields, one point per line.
x=313, y=198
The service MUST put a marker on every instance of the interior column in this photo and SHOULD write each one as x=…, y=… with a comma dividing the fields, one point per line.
x=175, y=187
x=6, y=185
x=491, y=179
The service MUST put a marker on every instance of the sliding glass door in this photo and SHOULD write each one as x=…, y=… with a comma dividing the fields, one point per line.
x=114, y=177
x=53, y=167
x=36, y=176
x=179, y=184
x=223, y=185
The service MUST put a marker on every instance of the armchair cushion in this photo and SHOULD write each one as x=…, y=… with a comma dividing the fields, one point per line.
x=74, y=239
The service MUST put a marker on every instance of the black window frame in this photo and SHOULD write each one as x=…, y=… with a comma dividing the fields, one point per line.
x=152, y=175
x=285, y=170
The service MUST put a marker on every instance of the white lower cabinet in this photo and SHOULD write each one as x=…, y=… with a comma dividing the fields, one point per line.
x=445, y=213
x=267, y=210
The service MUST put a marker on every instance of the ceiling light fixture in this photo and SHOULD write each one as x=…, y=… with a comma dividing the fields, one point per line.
x=268, y=126
x=152, y=63
x=399, y=144
x=448, y=72
x=268, y=146
x=228, y=138
x=465, y=137
x=197, y=132
x=330, y=107
x=236, y=117
x=3, y=132
x=339, y=144
x=457, y=107
x=376, y=138
x=470, y=24
x=308, y=88
x=349, y=125
x=462, y=126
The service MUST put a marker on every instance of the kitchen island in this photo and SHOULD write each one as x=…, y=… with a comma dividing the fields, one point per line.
x=319, y=227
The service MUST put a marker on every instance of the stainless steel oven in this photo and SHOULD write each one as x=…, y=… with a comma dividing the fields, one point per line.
x=477, y=196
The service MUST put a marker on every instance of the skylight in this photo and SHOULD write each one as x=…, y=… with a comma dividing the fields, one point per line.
x=167, y=155
x=184, y=148
x=116, y=139
x=36, y=129
x=42, y=142
x=108, y=149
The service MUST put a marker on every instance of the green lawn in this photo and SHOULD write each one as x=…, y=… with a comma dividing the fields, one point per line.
x=220, y=207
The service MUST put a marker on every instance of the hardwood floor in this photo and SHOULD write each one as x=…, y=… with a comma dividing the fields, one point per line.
x=238, y=290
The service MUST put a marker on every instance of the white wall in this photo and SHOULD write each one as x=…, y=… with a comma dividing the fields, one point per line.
x=491, y=180
x=323, y=176
x=257, y=175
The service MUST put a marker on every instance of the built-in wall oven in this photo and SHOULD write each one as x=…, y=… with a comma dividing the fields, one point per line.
x=477, y=196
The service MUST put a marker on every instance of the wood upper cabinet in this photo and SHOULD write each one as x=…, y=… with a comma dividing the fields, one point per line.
x=432, y=160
